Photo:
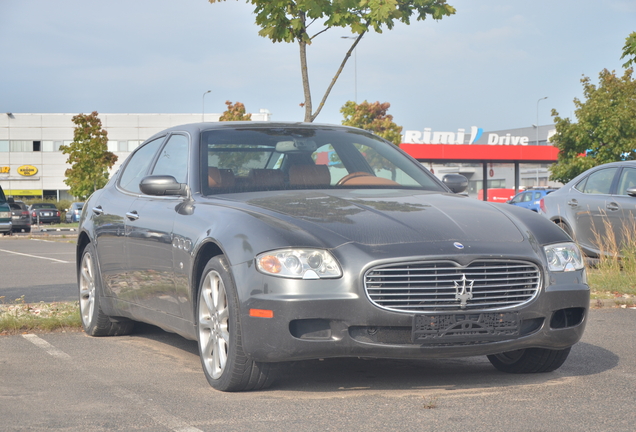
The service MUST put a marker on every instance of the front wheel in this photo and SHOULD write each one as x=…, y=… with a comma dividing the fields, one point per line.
x=529, y=360
x=94, y=321
x=225, y=364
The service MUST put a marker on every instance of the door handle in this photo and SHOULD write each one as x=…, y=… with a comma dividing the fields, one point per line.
x=573, y=203
x=133, y=215
x=98, y=210
x=612, y=206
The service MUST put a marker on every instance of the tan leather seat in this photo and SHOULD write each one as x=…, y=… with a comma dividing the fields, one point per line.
x=309, y=175
x=267, y=178
x=218, y=178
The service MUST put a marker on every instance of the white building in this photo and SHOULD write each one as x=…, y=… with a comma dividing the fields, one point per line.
x=31, y=164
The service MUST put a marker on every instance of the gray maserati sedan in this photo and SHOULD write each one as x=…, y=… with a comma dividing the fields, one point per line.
x=274, y=242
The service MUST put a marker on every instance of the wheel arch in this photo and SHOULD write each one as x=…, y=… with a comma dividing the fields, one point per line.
x=82, y=241
x=206, y=252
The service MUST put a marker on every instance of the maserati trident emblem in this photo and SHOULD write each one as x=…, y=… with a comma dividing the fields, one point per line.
x=463, y=291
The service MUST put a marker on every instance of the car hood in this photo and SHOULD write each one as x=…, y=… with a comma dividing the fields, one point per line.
x=375, y=217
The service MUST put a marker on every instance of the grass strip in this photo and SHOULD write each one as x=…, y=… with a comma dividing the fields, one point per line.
x=23, y=317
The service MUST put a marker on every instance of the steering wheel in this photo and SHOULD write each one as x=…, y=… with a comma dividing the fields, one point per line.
x=348, y=177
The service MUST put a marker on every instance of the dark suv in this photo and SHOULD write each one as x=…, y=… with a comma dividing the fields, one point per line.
x=44, y=213
x=5, y=214
x=20, y=216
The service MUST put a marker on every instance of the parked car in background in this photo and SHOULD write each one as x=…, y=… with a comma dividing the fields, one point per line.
x=596, y=207
x=530, y=198
x=74, y=212
x=20, y=216
x=44, y=213
x=5, y=214
x=273, y=242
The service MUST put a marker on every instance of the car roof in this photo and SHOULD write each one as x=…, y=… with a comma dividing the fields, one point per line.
x=196, y=128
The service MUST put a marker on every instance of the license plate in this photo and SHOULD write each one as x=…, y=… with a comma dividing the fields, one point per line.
x=465, y=327
x=15, y=217
x=46, y=214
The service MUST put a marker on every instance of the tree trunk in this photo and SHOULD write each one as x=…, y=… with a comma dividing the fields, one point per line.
x=305, y=75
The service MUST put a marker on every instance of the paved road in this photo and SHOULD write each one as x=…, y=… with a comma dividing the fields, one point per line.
x=152, y=381
x=41, y=269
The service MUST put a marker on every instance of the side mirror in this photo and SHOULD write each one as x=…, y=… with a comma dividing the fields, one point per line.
x=161, y=185
x=631, y=192
x=457, y=183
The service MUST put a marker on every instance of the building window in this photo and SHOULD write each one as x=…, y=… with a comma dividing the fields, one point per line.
x=36, y=146
x=4, y=146
x=112, y=146
x=122, y=146
x=21, y=146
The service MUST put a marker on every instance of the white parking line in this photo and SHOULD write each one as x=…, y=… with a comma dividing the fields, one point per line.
x=50, y=349
x=36, y=256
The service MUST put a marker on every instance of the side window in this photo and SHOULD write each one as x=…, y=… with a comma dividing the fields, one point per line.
x=137, y=166
x=537, y=196
x=627, y=181
x=516, y=199
x=527, y=197
x=173, y=159
x=600, y=181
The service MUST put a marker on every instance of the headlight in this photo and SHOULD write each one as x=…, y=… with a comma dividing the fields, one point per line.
x=564, y=257
x=299, y=264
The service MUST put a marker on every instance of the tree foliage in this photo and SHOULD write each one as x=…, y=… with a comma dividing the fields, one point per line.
x=290, y=21
x=629, y=50
x=605, y=130
x=89, y=157
x=372, y=117
x=235, y=112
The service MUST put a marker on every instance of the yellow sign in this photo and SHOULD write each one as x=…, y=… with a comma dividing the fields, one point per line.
x=23, y=192
x=27, y=170
x=5, y=170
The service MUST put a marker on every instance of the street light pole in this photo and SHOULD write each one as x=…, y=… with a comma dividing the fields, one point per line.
x=538, y=118
x=355, y=69
x=203, y=105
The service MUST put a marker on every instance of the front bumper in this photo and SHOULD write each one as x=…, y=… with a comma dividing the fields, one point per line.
x=334, y=318
x=6, y=227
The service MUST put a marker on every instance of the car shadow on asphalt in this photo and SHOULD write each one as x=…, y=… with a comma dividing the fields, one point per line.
x=359, y=374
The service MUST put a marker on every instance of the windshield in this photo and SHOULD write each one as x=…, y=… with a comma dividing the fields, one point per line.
x=249, y=159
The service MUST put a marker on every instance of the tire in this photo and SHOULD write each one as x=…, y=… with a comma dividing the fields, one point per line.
x=224, y=362
x=529, y=360
x=94, y=321
x=27, y=230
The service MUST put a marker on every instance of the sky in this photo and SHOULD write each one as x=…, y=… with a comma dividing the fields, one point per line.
x=486, y=66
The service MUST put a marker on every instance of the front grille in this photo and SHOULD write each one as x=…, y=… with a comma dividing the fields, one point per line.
x=446, y=286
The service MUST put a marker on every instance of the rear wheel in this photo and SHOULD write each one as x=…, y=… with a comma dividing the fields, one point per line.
x=225, y=364
x=529, y=360
x=94, y=320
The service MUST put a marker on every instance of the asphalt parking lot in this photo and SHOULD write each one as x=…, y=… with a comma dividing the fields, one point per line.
x=42, y=268
x=152, y=380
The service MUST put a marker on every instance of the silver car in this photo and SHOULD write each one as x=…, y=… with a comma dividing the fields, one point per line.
x=597, y=208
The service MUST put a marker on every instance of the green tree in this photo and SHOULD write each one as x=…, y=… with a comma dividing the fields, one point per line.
x=235, y=112
x=372, y=117
x=289, y=21
x=88, y=155
x=605, y=130
x=629, y=50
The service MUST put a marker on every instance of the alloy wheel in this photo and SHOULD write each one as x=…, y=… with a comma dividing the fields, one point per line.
x=214, y=332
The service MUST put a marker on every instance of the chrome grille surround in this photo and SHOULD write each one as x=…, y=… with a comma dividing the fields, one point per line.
x=430, y=286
